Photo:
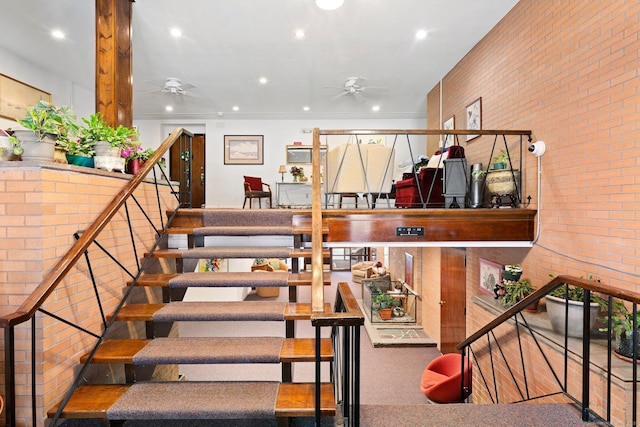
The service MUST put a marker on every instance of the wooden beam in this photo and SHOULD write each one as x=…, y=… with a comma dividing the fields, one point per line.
x=114, y=91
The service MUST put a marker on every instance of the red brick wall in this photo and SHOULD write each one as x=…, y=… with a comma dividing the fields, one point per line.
x=568, y=71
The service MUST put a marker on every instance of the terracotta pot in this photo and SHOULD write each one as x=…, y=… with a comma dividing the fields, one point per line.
x=385, y=313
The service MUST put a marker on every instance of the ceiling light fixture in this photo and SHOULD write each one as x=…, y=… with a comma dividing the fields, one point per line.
x=57, y=34
x=329, y=4
x=375, y=108
x=305, y=108
x=168, y=108
x=421, y=34
x=263, y=80
x=235, y=108
x=176, y=32
x=299, y=34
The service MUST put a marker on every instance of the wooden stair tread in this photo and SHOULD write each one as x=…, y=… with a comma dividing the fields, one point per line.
x=304, y=350
x=298, y=400
x=161, y=279
x=91, y=401
x=137, y=312
x=117, y=351
x=304, y=279
x=302, y=311
x=306, y=253
x=308, y=230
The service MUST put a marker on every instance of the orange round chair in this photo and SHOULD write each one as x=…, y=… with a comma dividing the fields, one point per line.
x=442, y=379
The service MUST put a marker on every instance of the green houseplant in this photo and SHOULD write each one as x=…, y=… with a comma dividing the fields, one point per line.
x=384, y=303
x=514, y=291
x=501, y=161
x=512, y=272
x=622, y=329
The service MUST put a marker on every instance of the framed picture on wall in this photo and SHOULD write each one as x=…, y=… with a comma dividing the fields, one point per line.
x=408, y=269
x=449, y=124
x=474, y=117
x=243, y=149
x=490, y=275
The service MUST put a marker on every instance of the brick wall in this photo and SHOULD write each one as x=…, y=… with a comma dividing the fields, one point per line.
x=568, y=71
x=40, y=209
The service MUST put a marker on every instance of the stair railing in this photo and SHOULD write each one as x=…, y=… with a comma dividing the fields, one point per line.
x=84, y=240
x=505, y=372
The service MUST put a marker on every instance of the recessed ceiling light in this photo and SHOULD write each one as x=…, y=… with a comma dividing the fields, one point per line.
x=57, y=34
x=168, y=108
x=236, y=108
x=176, y=32
x=263, y=80
x=305, y=108
x=329, y=4
x=375, y=108
x=299, y=34
x=421, y=34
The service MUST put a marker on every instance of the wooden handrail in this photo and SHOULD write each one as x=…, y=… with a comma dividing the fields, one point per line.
x=423, y=132
x=353, y=316
x=51, y=280
x=543, y=291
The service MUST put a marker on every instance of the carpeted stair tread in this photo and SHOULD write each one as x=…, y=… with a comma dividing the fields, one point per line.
x=222, y=311
x=210, y=252
x=209, y=350
x=244, y=230
x=91, y=401
x=196, y=400
x=230, y=279
x=298, y=400
x=137, y=312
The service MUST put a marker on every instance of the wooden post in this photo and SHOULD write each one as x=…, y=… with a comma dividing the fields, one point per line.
x=114, y=92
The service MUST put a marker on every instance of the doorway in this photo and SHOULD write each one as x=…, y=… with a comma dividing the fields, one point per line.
x=188, y=167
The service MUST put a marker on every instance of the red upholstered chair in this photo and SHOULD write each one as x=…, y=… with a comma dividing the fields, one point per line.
x=442, y=379
x=254, y=188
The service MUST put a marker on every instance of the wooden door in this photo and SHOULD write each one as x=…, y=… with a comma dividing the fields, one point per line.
x=189, y=169
x=453, y=284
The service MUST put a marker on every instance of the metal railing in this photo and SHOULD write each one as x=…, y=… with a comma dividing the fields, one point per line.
x=86, y=240
x=516, y=356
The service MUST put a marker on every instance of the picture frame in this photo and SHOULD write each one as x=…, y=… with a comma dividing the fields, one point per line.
x=490, y=275
x=16, y=96
x=244, y=149
x=449, y=124
x=408, y=269
x=474, y=117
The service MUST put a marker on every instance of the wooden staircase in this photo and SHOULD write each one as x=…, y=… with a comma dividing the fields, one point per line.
x=142, y=397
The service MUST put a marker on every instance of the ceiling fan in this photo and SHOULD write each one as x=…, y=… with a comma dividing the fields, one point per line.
x=353, y=86
x=172, y=86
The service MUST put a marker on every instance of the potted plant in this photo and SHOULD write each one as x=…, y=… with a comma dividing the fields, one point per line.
x=511, y=272
x=135, y=157
x=109, y=141
x=515, y=290
x=622, y=329
x=297, y=173
x=44, y=124
x=79, y=151
x=501, y=161
x=383, y=302
x=13, y=152
x=574, y=297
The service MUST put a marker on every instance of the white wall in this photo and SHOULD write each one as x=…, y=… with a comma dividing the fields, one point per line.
x=63, y=91
x=224, y=186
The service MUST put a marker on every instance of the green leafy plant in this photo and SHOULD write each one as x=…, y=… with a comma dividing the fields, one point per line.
x=97, y=130
x=575, y=293
x=502, y=158
x=383, y=300
x=45, y=119
x=78, y=147
x=621, y=320
x=514, y=291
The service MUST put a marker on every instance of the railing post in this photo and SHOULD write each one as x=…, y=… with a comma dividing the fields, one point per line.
x=10, y=376
x=586, y=352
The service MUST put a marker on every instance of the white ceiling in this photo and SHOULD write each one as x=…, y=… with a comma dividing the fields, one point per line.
x=228, y=44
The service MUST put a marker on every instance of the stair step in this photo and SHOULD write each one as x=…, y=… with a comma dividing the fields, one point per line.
x=304, y=279
x=137, y=312
x=209, y=350
x=91, y=401
x=244, y=230
x=221, y=311
x=145, y=312
x=147, y=279
x=209, y=252
x=298, y=400
x=230, y=279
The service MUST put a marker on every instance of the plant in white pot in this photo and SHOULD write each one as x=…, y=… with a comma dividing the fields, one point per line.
x=573, y=296
x=108, y=141
x=44, y=124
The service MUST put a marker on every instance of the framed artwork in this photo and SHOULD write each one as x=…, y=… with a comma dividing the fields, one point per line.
x=474, y=117
x=449, y=124
x=408, y=269
x=16, y=96
x=490, y=275
x=243, y=149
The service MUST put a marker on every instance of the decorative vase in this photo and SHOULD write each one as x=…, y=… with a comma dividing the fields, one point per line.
x=80, y=161
x=133, y=166
x=295, y=178
x=556, y=312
